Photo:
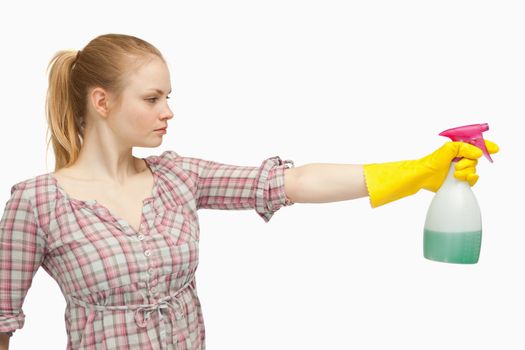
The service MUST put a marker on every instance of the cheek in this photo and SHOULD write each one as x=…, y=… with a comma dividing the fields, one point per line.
x=141, y=122
x=140, y=119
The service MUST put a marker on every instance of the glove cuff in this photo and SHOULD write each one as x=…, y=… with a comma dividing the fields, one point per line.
x=388, y=182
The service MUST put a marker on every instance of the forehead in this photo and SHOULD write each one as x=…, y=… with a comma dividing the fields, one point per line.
x=151, y=74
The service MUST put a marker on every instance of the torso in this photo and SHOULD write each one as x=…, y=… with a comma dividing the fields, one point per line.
x=125, y=202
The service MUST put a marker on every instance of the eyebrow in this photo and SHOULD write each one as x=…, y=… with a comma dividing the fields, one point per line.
x=158, y=90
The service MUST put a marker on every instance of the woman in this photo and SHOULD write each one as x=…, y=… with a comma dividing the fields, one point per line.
x=120, y=234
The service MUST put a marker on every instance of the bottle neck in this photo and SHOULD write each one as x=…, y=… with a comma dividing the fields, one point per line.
x=451, y=180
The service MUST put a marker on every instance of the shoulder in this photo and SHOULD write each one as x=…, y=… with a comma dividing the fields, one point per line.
x=167, y=157
x=171, y=161
x=36, y=190
x=178, y=169
x=25, y=187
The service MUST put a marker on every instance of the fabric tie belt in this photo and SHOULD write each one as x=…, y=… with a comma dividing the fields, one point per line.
x=147, y=309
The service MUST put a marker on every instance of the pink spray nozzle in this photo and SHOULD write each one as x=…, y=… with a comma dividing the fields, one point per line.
x=472, y=134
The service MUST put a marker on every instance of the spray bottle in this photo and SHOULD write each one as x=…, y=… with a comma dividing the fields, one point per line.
x=452, y=230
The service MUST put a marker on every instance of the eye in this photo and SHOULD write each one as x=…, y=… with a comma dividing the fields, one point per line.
x=154, y=99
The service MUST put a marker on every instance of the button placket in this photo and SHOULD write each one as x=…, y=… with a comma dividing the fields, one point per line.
x=151, y=272
x=147, y=250
x=153, y=289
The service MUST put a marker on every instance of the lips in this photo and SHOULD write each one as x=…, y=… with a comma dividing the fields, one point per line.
x=161, y=129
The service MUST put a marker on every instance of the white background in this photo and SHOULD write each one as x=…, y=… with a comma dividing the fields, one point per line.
x=313, y=81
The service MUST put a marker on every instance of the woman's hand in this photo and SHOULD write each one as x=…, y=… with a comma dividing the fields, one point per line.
x=387, y=182
x=439, y=161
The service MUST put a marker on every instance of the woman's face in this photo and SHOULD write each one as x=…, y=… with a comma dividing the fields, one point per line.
x=144, y=106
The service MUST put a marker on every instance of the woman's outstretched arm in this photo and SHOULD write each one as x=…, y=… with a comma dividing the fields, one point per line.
x=324, y=182
x=382, y=182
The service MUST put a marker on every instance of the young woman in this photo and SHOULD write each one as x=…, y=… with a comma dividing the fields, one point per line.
x=120, y=234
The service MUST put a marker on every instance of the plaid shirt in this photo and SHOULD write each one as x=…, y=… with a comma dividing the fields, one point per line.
x=126, y=289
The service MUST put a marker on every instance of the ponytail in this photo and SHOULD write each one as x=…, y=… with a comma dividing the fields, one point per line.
x=62, y=116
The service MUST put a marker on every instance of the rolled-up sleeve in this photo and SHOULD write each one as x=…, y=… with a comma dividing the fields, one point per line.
x=22, y=247
x=226, y=186
x=269, y=184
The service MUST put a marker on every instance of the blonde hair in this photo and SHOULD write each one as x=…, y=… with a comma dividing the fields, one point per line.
x=104, y=62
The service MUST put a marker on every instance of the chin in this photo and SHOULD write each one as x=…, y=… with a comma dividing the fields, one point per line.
x=149, y=144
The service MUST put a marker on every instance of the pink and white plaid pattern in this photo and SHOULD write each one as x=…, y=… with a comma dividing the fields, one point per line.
x=126, y=289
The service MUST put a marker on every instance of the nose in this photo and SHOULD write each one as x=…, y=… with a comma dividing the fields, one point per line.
x=167, y=112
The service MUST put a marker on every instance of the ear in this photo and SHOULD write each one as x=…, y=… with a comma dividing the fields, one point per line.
x=99, y=99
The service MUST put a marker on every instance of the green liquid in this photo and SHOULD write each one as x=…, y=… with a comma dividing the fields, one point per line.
x=458, y=248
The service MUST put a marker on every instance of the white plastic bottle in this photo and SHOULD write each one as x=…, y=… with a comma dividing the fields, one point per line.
x=453, y=224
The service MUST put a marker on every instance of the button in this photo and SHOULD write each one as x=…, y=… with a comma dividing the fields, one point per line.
x=151, y=271
x=154, y=290
x=140, y=237
x=147, y=253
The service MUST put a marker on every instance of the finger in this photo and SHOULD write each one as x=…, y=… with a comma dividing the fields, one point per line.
x=491, y=147
x=466, y=163
x=464, y=173
x=466, y=150
x=472, y=179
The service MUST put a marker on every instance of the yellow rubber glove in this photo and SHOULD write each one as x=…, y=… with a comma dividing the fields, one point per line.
x=391, y=181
